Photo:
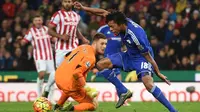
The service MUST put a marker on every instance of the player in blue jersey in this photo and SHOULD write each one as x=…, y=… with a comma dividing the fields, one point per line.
x=114, y=45
x=139, y=55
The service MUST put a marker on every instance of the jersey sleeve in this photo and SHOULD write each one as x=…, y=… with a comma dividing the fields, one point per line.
x=55, y=19
x=28, y=37
x=139, y=41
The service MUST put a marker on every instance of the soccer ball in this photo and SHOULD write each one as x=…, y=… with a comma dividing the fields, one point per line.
x=42, y=104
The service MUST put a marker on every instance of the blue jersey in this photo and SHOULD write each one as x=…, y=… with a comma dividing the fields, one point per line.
x=114, y=42
x=137, y=43
x=135, y=40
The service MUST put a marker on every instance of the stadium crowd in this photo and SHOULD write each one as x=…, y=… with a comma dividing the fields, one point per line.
x=172, y=27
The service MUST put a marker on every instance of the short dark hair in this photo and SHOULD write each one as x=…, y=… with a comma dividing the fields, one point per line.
x=116, y=16
x=37, y=16
x=98, y=36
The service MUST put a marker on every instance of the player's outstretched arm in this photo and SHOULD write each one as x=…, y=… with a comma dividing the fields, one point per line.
x=95, y=11
x=82, y=38
x=150, y=59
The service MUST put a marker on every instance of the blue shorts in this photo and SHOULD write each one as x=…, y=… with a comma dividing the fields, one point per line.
x=129, y=63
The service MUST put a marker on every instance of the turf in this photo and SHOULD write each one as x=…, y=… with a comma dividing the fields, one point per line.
x=110, y=107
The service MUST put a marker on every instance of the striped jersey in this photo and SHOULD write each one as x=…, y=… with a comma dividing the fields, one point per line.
x=41, y=43
x=66, y=23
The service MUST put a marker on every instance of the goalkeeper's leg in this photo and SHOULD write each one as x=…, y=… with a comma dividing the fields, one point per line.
x=85, y=102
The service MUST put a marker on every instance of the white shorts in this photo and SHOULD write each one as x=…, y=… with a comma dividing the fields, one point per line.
x=45, y=65
x=60, y=56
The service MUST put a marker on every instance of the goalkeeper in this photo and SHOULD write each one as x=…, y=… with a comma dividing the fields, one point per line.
x=71, y=75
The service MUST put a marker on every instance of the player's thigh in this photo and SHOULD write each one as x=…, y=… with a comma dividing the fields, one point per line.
x=81, y=96
x=40, y=65
x=60, y=56
x=50, y=66
x=117, y=60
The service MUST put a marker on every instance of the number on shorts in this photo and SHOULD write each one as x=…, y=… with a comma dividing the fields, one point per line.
x=144, y=65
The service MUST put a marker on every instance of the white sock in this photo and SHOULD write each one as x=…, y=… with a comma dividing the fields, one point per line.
x=39, y=86
x=51, y=95
x=50, y=82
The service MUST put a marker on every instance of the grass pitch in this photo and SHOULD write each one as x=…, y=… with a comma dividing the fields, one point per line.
x=110, y=107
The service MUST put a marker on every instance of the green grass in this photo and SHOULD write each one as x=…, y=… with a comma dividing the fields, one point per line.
x=110, y=107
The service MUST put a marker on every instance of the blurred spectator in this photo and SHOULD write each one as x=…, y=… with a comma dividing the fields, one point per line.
x=184, y=49
x=163, y=61
x=4, y=28
x=166, y=4
x=192, y=59
x=2, y=61
x=172, y=56
x=180, y=6
x=9, y=8
x=95, y=3
x=152, y=25
x=155, y=45
x=185, y=28
x=169, y=32
x=184, y=64
x=19, y=61
x=140, y=4
x=155, y=9
x=143, y=24
x=9, y=41
x=30, y=60
x=176, y=40
x=178, y=22
x=193, y=43
x=187, y=11
x=160, y=30
x=193, y=21
x=8, y=61
x=132, y=14
x=196, y=5
x=172, y=14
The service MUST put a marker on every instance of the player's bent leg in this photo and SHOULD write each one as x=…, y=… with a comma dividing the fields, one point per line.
x=85, y=101
x=61, y=101
x=104, y=63
x=111, y=77
x=155, y=91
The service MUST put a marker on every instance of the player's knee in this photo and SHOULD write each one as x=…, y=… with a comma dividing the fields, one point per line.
x=100, y=65
x=104, y=63
x=41, y=75
x=149, y=86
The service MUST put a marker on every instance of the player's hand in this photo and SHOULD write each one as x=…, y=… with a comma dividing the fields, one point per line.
x=85, y=41
x=65, y=37
x=78, y=5
x=164, y=78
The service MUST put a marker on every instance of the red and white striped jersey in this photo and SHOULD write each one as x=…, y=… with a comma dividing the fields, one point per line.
x=41, y=43
x=66, y=23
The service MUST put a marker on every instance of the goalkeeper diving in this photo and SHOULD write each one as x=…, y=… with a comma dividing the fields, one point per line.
x=71, y=76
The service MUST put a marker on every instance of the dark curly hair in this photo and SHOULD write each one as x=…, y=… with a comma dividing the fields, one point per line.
x=116, y=16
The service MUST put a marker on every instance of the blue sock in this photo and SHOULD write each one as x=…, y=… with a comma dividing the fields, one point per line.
x=157, y=93
x=111, y=77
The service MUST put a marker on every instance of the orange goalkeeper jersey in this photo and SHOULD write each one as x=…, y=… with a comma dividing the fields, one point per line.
x=76, y=65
